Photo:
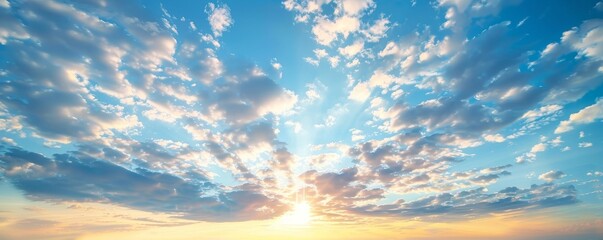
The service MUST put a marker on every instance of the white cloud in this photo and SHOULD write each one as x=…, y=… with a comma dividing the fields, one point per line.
x=377, y=30
x=363, y=90
x=397, y=94
x=210, y=39
x=540, y=147
x=320, y=53
x=279, y=104
x=357, y=135
x=586, y=40
x=219, y=18
x=9, y=141
x=326, y=31
x=314, y=91
x=531, y=155
x=585, y=144
x=4, y=4
x=360, y=92
x=275, y=64
x=352, y=49
x=595, y=173
x=311, y=61
x=461, y=5
x=390, y=49
x=556, y=142
x=277, y=67
x=540, y=112
x=522, y=21
x=304, y=8
x=494, y=138
x=383, y=80
x=353, y=63
x=377, y=102
x=587, y=115
x=551, y=176
x=334, y=61
x=355, y=7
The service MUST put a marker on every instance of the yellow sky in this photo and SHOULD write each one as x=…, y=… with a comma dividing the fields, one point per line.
x=93, y=221
x=21, y=218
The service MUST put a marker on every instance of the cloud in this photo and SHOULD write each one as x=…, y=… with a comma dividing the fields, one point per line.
x=320, y=53
x=379, y=79
x=540, y=112
x=551, y=175
x=540, y=147
x=311, y=61
x=8, y=140
x=586, y=39
x=72, y=178
x=352, y=49
x=461, y=5
x=315, y=91
x=355, y=7
x=277, y=67
x=587, y=115
x=326, y=31
x=378, y=30
x=494, y=138
x=103, y=79
x=64, y=115
x=333, y=189
x=247, y=99
x=360, y=92
x=520, y=23
x=325, y=159
x=334, y=61
x=12, y=27
x=345, y=20
x=219, y=18
x=477, y=202
x=357, y=135
x=304, y=8
x=88, y=59
x=353, y=63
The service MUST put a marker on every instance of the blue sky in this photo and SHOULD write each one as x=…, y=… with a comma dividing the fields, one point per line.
x=227, y=111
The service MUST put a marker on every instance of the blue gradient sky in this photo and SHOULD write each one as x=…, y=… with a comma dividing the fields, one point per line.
x=228, y=111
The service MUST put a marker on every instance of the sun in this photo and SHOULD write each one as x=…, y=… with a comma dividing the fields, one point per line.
x=300, y=215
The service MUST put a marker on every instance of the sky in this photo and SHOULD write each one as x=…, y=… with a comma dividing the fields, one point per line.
x=301, y=119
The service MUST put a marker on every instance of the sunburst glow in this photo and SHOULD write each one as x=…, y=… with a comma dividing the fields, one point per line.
x=300, y=215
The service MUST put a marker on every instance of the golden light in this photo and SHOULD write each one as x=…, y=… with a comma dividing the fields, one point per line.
x=300, y=215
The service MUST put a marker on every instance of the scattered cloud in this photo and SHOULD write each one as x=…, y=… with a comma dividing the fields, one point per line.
x=219, y=18
x=587, y=115
x=551, y=176
x=108, y=103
